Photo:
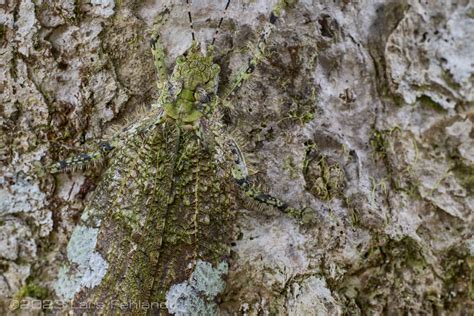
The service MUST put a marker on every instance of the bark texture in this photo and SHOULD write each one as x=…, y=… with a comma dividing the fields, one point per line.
x=361, y=110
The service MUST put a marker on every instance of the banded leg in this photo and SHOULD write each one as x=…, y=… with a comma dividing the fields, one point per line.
x=248, y=69
x=83, y=159
x=159, y=54
x=144, y=125
x=240, y=174
x=258, y=56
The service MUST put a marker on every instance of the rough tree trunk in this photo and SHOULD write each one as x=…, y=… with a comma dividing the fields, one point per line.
x=361, y=110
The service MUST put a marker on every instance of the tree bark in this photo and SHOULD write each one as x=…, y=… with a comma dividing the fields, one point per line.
x=359, y=110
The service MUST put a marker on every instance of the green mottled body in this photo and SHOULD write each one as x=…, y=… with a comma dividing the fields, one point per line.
x=158, y=227
x=162, y=207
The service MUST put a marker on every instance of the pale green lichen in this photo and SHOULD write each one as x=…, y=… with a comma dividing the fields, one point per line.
x=182, y=299
x=95, y=271
x=207, y=280
x=82, y=244
x=90, y=269
x=66, y=285
x=196, y=296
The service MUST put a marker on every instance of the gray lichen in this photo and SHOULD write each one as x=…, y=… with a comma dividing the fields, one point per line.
x=89, y=266
x=196, y=296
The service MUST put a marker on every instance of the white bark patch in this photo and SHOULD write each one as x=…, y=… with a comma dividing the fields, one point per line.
x=103, y=8
x=433, y=59
x=312, y=297
x=24, y=196
x=460, y=131
x=26, y=26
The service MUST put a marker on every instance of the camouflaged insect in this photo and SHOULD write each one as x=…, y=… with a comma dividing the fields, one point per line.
x=158, y=226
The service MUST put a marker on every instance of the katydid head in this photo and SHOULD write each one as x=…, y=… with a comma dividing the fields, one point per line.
x=194, y=84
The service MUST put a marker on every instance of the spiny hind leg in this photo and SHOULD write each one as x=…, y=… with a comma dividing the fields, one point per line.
x=258, y=55
x=105, y=147
x=246, y=72
x=240, y=174
x=83, y=159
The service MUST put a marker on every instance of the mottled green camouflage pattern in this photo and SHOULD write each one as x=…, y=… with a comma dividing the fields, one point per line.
x=164, y=202
x=164, y=205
